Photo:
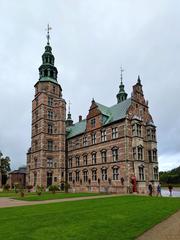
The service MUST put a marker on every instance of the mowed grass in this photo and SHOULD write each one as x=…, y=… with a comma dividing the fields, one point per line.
x=119, y=218
x=45, y=195
x=51, y=196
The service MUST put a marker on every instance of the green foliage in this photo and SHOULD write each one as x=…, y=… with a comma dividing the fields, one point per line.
x=39, y=190
x=115, y=218
x=4, y=164
x=6, y=187
x=53, y=188
x=172, y=176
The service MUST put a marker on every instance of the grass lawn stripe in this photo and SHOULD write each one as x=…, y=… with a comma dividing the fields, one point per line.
x=113, y=218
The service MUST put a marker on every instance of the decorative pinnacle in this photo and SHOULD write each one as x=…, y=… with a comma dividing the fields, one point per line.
x=122, y=70
x=69, y=107
x=48, y=34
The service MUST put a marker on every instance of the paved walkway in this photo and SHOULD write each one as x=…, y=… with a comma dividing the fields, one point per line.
x=9, y=202
x=169, y=229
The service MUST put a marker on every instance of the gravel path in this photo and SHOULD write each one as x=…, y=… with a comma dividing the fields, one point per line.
x=169, y=229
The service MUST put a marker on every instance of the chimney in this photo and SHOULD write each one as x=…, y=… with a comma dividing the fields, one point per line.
x=80, y=118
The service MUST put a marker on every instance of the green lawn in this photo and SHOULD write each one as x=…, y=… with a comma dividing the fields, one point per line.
x=113, y=218
x=50, y=196
x=45, y=195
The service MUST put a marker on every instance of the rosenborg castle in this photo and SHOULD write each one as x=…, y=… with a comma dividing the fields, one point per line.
x=113, y=149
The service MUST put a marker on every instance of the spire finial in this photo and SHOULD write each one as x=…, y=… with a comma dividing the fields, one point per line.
x=139, y=80
x=122, y=70
x=48, y=34
x=69, y=107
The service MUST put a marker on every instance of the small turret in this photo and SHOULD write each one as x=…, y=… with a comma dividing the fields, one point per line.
x=69, y=121
x=122, y=95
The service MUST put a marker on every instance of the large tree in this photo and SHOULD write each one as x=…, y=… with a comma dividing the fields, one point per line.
x=4, y=168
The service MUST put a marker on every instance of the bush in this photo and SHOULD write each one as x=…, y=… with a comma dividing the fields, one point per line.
x=29, y=187
x=53, y=188
x=6, y=187
x=39, y=190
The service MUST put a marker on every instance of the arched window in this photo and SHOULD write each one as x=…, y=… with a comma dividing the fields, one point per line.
x=104, y=156
x=93, y=157
x=115, y=154
x=51, y=73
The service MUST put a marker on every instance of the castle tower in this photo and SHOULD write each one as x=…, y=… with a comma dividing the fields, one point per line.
x=46, y=157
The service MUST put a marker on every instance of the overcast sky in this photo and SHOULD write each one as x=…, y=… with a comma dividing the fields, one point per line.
x=91, y=39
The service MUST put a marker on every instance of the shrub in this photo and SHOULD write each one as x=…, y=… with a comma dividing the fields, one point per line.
x=53, y=188
x=39, y=190
x=6, y=187
x=29, y=187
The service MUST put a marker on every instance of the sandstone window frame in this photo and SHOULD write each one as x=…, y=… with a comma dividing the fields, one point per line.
x=154, y=155
x=85, y=159
x=115, y=173
x=70, y=177
x=114, y=132
x=49, y=162
x=77, y=176
x=155, y=173
x=50, y=145
x=104, y=174
x=77, y=160
x=85, y=141
x=141, y=173
x=70, y=162
x=94, y=174
x=93, y=122
x=50, y=101
x=103, y=135
x=85, y=175
x=50, y=114
x=94, y=158
x=104, y=155
x=140, y=152
x=50, y=128
x=93, y=138
x=115, y=154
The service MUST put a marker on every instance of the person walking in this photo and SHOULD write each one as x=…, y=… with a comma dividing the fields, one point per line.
x=170, y=187
x=159, y=190
x=150, y=189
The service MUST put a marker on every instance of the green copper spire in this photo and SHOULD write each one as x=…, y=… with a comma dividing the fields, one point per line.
x=69, y=121
x=122, y=95
x=47, y=71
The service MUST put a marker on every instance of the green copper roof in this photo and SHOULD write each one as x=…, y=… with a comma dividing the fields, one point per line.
x=110, y=115
x=48, y=79
x=76, y=129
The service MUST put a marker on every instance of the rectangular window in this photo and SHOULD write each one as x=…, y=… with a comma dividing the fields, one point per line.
x=70, y=177
x=138, y=130
x=77, y=176
x=85, y=160
x=50, y=115
x=85, y=176
x=141, y=173
x=50, y=145
x=93, y=122
x=70, y=163
x=115, y=173
x=155, y=173
x=49, y=162
x=149, y=155
x=154, y=155
x=93, y=158
x=134, y=153
x=93, y=138
x=104, y=174
x=103, y=135
x=148, y=134
x=103, y=156
x=115, y=154
x=140, y=153
x=94, y=175
x=50, y=128
x=85, y=142
x=153, y=133
x=50, y=101
x=114, y=133
x=77, y=161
